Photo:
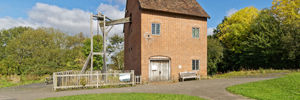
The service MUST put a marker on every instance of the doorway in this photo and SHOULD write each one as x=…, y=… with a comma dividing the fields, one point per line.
x=159, y=70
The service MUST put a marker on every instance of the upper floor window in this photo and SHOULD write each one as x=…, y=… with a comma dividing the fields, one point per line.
x=195, y=64
x=155, y=29
x=196, y=33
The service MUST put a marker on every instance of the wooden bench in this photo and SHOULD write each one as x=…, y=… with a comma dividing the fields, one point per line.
x=188, y=75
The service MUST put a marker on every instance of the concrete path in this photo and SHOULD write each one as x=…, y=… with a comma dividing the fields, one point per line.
x=208, y=89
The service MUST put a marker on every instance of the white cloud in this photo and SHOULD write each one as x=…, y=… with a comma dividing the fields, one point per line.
x=119, y=2
x=8, y=22
x=231, y=11
x=210, y=31
x=113, y=12
x=71, y=21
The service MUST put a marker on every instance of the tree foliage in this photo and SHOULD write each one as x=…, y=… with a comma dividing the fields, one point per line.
x=214, y=55
x=118, y=60
x=255, y=39
x=97, y=47
x=7, y=35
x=262, y=48
x=44, y=50
x=41, y=51
x=233, y=30
x=287, y=11
x=116, y=48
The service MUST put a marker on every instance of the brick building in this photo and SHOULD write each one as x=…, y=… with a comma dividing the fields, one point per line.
x=164, y=38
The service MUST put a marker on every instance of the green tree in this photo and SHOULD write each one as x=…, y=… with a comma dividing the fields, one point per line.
x=7, y=35
x=262, y=49
x=232, y=32
x=116, y=49
x=118, y=61
x=97, y=47
x=214, y=55
x=234, y=29
x=287, y=13
x=42, y=51
x=116, y=43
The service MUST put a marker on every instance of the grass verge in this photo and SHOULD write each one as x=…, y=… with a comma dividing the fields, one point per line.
x=284, y=88
x=251, y=73
x=4, y=83
x=15, y=80
x=127, y=96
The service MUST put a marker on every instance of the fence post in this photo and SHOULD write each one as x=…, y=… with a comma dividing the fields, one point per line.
x=54, y=81
x=140, y=80
x=133, y=78
x=97, y=79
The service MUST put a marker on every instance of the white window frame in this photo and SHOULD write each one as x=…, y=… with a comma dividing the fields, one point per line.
x=194, y=35
x=155, y=28
x=194, y=65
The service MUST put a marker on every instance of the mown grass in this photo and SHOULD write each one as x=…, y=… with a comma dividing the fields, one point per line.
x=127, y=96
x=4, y=83
x=250, y=73
x=284, y=88
x=14, y=80
x=102, y=87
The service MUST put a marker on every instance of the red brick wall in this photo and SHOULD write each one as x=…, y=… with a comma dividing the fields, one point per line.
x=175, y=41
x=132, y=36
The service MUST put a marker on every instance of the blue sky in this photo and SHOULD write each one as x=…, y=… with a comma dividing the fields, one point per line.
x=33, y=12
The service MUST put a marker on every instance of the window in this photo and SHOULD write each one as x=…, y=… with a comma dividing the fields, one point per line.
x=195, y=65
x=196, y=32
x=155, y=29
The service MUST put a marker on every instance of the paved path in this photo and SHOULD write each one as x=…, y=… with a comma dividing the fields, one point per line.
x=209, y=89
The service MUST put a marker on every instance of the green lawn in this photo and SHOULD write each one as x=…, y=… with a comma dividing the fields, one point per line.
x=7, y=82
x=4, y=83
x=127, y=96
x=249, y=73
x=284, y=88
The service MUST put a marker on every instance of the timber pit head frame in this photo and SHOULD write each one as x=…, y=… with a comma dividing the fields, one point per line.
x=105, y=24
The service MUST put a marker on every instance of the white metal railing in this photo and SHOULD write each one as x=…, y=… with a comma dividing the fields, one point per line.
x=74, y=79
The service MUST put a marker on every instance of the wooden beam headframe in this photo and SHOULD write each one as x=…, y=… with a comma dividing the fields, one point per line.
x=92, y=44
x=104, y=23
x=116, y=22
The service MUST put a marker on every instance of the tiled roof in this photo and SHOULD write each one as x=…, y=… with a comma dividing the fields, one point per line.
x=186, y=7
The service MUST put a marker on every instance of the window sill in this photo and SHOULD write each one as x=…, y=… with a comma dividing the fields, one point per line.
x=156, y=34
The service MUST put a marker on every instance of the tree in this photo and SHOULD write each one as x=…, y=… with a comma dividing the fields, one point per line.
x=234, y=29
x=97, y=47
x=116, y=43
x=255, y=39
x=214, y=54
x=232, y=32
x=118, y=61
x=42, y=51
x=287, y=13
x=7, y=35
x=262, y=48
x=116, y=48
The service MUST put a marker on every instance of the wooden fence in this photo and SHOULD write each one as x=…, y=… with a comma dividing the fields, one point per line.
x=74, y=79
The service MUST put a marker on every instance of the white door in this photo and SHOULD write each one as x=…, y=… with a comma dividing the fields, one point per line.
x=159, y=70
